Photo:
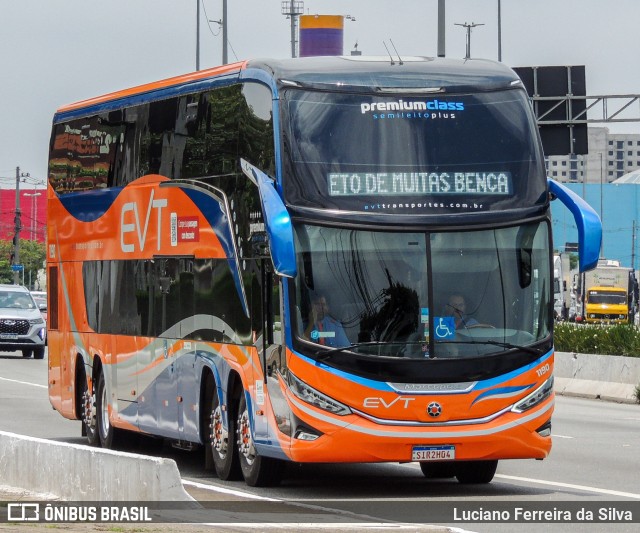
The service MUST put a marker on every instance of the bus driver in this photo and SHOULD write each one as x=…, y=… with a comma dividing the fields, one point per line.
x=322, y=328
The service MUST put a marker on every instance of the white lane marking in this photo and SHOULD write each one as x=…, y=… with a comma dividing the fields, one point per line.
x=561, y=437
x=282, y=526
x=224, y=490
x=24, y=383
x=572, y=486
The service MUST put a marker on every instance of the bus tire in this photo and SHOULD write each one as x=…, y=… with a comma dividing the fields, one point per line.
x=106, y=432
x=221, y=445
x=476, y=472
x=439, y=470
x=88, y=408
x=258, y=471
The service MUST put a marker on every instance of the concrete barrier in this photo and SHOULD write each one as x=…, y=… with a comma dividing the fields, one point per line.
x=74, y=472
x=605, y=377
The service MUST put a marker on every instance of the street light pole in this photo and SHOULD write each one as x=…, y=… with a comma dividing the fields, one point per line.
x=34, y=214
x=468, y=27
x=499, y=30
x=197, y=34
x=292, y=9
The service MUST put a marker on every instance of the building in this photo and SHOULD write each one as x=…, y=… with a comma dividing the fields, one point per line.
x=33, y=214
x=611, y=155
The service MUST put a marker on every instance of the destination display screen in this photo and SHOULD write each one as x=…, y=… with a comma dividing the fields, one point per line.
x=411, y=155
x=385, y=184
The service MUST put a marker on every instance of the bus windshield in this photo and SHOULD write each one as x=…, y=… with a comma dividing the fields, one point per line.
x=607, y=297
x=441, y=294
x=418, y=155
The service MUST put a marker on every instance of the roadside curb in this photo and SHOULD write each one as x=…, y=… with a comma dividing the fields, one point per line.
x=604, y=377
x=75, y=472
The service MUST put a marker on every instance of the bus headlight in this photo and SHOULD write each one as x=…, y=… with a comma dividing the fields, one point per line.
x=316, y=398
x=536, y=397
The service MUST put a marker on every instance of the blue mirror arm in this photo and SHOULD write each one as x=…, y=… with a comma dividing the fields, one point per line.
x=276, y=220
x=587, y=221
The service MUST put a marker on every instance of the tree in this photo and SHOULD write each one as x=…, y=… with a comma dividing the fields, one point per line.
x=32, y=256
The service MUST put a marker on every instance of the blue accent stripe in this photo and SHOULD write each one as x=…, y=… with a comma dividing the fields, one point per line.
x=89, y=206
x=382, y=386
x=502, y=390
x=217, y=219
x=494, y=382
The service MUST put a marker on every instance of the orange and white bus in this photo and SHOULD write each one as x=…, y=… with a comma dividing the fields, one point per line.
x=314, y=260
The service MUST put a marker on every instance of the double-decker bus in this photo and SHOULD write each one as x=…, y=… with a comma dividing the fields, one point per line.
x=336, y=259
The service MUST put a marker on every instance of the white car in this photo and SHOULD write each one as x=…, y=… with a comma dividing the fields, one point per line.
x=22, y=326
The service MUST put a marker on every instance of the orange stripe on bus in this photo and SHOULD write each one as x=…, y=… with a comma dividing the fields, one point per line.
x=162, y=84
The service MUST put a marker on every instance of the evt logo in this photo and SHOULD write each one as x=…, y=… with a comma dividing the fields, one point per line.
x=130, y=223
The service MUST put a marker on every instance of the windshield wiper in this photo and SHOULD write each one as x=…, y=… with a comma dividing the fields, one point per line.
x=509, y=345
x=330, y=353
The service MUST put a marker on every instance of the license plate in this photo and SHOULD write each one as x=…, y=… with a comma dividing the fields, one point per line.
x=8, y=336
x=433, y=453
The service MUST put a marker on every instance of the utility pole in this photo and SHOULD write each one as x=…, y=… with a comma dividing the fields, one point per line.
x=499, y=31
x=17, y=227
x=633, y=247
x=197, y=34
x=224, y=33
x=441, y=28
x=468, y=27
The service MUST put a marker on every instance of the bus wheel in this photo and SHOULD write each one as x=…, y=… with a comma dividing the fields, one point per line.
x=257, y=471
x=439, y=470
x=89, y=412
x=223, y=449
x=476, y=472
x=106, y=431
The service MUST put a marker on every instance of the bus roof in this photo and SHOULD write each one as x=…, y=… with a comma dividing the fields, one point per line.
x=410, y=74
x=373, y=72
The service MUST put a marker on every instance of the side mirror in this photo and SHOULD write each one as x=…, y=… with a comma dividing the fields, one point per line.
x=587, y=221
x=277, y=222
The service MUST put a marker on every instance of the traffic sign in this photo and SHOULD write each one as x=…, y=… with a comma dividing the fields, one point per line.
x=17, y=268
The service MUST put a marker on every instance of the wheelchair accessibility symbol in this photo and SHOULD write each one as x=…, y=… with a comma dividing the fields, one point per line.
x=445, y=327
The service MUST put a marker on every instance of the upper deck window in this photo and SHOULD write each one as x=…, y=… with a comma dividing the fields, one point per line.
x=412, y=154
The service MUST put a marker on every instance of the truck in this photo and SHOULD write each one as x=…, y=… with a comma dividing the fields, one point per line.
x=563, y=296
x=609, y=293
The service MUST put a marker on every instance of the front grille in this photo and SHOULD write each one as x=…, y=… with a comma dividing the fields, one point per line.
x=615, y=316
x=13, y=326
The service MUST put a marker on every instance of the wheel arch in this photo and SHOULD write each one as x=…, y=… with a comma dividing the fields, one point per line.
x=80, y=374
x=231, y=387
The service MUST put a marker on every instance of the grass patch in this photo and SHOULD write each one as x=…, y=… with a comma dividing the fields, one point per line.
x=618, y=339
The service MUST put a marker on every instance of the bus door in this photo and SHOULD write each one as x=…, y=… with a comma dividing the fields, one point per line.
x=272, y=353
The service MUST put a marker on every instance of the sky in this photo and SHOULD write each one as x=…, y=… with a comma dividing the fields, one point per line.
x=54, y=52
